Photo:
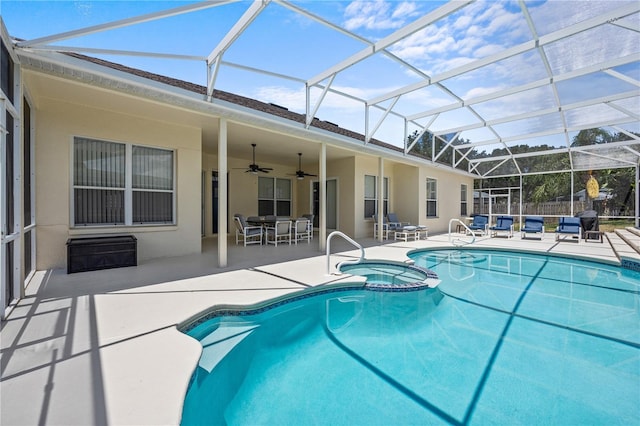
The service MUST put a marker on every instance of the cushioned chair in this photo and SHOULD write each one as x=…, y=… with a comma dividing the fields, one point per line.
x=504, y=224
x=301, y=230
x=246, y=233
x=394, y=223
x=533, y=225
x=568, y=226
x=280, y=232
x=480, y=224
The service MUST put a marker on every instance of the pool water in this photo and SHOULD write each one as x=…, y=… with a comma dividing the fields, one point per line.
x=506, y=338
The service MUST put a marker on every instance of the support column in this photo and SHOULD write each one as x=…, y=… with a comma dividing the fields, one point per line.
x=571, y=193
x=520, y=209
x=322, y=223
x=222, y=193
x=637, y=215
x=380, y=197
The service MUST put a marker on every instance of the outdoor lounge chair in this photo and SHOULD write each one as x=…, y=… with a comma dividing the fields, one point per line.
x=246, y=233
x=568, y=226
x=504, y=224
x=533, y=225
x=405, y=230
x=394, y=223
x=480, y=224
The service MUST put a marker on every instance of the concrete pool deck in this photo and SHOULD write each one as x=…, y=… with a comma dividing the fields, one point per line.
x=102, y=347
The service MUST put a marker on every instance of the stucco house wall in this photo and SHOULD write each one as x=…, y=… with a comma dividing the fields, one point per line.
x=58, y=122
x=406, y=195
x=448, y=197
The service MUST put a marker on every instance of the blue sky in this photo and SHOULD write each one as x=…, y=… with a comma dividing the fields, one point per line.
x=282, y=41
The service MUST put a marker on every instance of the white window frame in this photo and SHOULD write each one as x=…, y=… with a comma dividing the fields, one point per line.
x=275, y=199
x=429, y=199
x=464, y=196
x=385, y=196
x=128, y=189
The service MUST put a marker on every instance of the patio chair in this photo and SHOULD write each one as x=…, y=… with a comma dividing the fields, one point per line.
x=504, y=224
x=385, y=227
x=480, y=224
x=280, y=232
x=568, y=226
x=310, y=217
x=301, y=230
x=246, y=233
x=394, y=223
x=532, y=225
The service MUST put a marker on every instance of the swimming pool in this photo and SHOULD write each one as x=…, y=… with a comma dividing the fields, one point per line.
x=506, y=338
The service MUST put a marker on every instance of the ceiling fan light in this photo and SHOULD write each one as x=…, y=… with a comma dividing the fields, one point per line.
x=300, y=177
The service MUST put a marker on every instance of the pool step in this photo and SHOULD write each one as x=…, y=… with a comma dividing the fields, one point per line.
x=633, y=230
x=625, y=243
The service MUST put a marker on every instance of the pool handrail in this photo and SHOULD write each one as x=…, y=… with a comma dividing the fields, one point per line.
x=348, y=239
x=460, y=241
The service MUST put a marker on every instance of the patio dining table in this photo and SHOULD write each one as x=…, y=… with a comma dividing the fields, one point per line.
x=263, y=221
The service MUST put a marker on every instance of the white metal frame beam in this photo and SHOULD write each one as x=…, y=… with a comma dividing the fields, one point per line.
x=232, y=35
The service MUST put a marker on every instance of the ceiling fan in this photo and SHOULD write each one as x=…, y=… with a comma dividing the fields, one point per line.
x=299, y=173
x=253, y=167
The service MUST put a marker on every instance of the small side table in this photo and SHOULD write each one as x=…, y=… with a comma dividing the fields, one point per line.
x=597, y=235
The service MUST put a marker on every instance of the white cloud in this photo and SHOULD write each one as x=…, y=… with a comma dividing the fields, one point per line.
x=487, y=50
x=462, y=22
x=404, y=10
x=481, y=91
x=378, y=14
x=478, y=30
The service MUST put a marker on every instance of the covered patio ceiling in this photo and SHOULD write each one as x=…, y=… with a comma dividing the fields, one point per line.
x=482, y=85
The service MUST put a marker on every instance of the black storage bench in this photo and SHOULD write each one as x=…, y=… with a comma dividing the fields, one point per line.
x=102, y=252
